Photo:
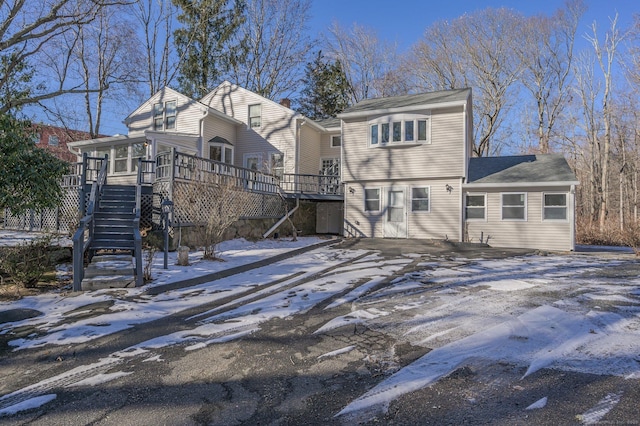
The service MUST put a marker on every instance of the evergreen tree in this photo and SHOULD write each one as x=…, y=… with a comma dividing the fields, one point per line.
x=31, y=176
x=326, y=89
x=203, y=42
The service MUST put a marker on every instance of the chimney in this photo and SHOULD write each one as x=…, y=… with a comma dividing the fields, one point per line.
x=285, y=102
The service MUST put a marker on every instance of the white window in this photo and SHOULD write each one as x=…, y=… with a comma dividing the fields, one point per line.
x=120, y=159
x=138, y=150
x=336, y=141
x=164, y=115
x=372, y=199
x=276, y=164
x=514, y=206
x=555, y=207
x=398, y=129
x=253, y=161
x=36, y=138
x=475, y=207
x=220, y=150
x=53, y=140
x=420, y=199
x=255, y=116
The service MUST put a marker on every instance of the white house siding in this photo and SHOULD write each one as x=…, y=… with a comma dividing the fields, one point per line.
x=442, y=221
x=278, y=126
x=444, y=156
x=188, y=114
x=215, y=126
x=532, y=233
x=326, y=150
x=309, y=151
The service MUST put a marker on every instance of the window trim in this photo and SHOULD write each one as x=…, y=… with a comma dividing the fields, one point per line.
x=52, y=138
x=164, y=116
x=484, y=207
x=223, y=147
x=274, y=170
x=544, y=207
x=258, y=156
x=524, y=206
x=365, y=199
x=249, y=116
x=428, y=187
x=390, y=121
x=333, y=138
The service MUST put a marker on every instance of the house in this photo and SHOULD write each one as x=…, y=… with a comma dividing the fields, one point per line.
x=55, y=139
x=231, y=125
x=408, y=173
x=395, y=167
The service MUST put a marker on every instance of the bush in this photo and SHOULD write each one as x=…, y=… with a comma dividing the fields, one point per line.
x=588, y=232
x=26, y=263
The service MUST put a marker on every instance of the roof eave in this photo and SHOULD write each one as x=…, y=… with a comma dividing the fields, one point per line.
x=519, y=184
x=382, y=111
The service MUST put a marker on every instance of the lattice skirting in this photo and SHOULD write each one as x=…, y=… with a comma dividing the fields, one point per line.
x=195, y=202
x=63, y=219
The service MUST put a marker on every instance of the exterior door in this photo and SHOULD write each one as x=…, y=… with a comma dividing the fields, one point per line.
x=395, y=223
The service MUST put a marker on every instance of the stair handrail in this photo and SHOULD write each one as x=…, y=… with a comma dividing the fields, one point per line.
x=81, y=242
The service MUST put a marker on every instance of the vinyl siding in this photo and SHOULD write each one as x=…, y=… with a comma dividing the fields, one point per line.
x=532, y=233
x=443, y=157
x=442, y=221
x=326, y=150
x=309, y=151
x=188, y=114
x=214, y=126
x=276, y=133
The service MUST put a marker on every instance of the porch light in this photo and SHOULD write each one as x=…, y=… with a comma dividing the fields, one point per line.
x=352, y=190
x=449, y=188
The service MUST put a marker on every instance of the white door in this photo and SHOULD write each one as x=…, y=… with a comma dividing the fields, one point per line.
x=395, y=218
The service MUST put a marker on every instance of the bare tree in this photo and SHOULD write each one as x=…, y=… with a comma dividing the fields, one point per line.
x=605, y=53
x=546, y=51
x=274, y=47
x=369, y=63
x=156, y=18
x=479, y=51
x=28, y=28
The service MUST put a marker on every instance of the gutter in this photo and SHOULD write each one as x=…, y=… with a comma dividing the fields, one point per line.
x=473, y=185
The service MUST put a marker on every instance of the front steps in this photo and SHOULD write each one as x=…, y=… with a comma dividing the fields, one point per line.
x=109, y=271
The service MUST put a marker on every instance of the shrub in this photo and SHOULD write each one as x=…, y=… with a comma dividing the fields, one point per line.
x=26, y=263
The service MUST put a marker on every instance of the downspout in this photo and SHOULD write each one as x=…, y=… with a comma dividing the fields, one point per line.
x=201, y=126
x=572, y=221
x=465, y=171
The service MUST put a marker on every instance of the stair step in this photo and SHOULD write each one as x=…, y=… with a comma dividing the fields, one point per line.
x=102, y=215
x=108, y=281
x=103, y=235
x=111, y=244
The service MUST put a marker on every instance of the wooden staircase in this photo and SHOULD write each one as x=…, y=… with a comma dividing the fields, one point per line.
x=113, y=232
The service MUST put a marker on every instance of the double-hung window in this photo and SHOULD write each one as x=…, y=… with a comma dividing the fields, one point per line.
x=255, y=116
x=420, y=199
x=398, y=129
x=514, y=206
x=164, y=115
x=372, y=199
x=555, y=207
x=53, y=140
x=475, y=207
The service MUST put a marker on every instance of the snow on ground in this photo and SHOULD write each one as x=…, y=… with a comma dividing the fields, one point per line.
x=566, y=312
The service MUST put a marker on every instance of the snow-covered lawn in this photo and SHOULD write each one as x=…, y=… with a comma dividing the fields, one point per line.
x=573, y=312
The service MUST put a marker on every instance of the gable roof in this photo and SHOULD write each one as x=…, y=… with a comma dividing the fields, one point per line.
x=521, y=169
x=329, y=123
x=167, y=90
x=407, y=102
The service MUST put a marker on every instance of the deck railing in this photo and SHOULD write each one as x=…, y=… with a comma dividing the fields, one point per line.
x=311, y=184
x=176, y=165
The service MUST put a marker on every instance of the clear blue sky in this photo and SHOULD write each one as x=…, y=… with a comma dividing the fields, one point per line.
x=404, y=21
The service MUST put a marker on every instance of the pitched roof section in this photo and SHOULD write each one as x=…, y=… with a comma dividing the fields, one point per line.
x=541, y=168
x=329, y=123
x=442, y=97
